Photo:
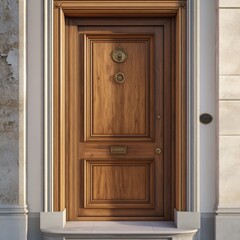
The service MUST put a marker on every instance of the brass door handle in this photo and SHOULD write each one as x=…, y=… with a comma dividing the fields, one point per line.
x=158, y=150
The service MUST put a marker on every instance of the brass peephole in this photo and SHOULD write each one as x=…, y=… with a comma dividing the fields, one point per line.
x=119, y=77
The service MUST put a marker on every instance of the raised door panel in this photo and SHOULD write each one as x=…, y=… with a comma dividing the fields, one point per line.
x=119, y=110
x=119, y=184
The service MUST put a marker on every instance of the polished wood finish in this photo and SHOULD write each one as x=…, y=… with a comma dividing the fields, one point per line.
x=116, y=110
x=118, y=8
x=59, y=109
x=66, y=101
x=123, y=114
x=56, y=111
x=119, y=183
x=73, y=121
x=96, y=150
x=181, y=104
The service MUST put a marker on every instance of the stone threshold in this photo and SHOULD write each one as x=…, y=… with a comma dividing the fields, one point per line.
x=119, y=230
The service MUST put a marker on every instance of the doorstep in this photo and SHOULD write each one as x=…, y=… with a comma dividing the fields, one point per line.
x=119, y=230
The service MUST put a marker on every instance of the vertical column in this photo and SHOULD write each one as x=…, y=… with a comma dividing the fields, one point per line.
x=13, y=217
x=228, y=209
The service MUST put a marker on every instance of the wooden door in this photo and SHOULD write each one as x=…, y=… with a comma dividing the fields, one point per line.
x=118, y=83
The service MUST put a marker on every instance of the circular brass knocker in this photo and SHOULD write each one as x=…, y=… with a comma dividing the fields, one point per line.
x=119, y=77
x=119, y=55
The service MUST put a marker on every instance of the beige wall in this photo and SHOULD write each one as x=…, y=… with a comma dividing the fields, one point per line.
x=229, y=102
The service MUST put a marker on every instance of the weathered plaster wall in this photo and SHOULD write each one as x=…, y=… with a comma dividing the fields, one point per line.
x=9, y=102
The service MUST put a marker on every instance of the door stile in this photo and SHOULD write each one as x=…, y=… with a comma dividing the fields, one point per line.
x=168, y=115
x=74, y=120
x=59, y=109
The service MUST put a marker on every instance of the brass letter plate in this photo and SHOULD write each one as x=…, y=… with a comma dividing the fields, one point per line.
x=118, y=149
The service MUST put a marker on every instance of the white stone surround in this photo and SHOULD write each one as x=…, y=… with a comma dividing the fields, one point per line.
x=228, y=207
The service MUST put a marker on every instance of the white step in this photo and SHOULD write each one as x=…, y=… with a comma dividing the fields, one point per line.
x=119, y=230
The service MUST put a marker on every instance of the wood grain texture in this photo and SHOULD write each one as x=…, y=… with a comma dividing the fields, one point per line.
x=72, y=120
x=181, y=127
x=56, y=111
x=102, y=150
x=124, y=101
x=169, y=101
x=118, y=110
x=138, y=91
x=124, y=8
x=62, y=119
x=119, y=184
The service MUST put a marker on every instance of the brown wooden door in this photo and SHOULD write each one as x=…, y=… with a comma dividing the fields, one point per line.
x=119, y=163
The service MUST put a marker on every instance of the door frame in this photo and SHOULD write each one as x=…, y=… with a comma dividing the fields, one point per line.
x=55, y=94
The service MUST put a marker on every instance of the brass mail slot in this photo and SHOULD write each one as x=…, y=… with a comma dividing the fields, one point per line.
x=118, y=149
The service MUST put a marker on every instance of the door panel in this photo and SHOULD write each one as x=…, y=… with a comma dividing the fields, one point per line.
x=119, y=183
x=117, y=173
x=116, y=110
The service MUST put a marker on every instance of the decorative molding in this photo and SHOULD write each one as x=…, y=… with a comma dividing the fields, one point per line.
x=48, y=105
x=228, y=209
x=120, y=4
x=58, y=4
x=13, y=210
x=183, y=4
x=22, y=102
x=114, y=7
x=193, y=107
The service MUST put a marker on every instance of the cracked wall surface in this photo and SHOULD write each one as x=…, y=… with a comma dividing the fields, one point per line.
x=9, y=102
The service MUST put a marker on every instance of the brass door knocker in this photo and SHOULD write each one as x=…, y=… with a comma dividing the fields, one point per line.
x=119, y=55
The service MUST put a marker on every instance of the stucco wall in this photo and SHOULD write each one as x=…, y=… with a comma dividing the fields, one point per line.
x=9, y=101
